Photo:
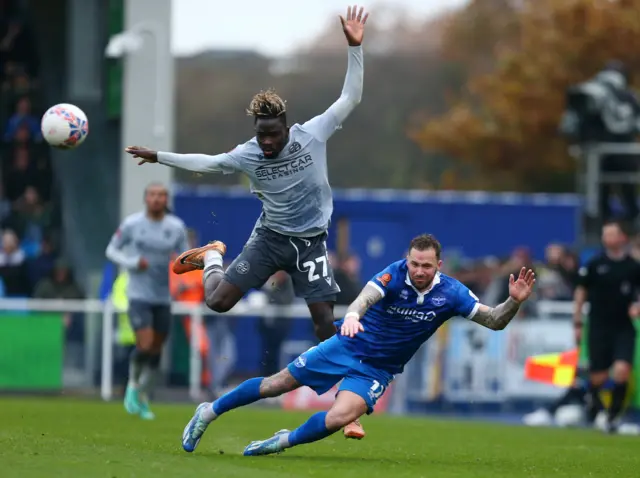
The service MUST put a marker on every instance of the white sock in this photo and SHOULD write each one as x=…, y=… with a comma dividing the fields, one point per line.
x=212, y=258
x=212, y=263
x=208, y=415
x=283, y=440
x=147, y=381
x=135, y=370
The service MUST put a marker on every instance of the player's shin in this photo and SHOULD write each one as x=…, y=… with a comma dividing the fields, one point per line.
x=314, y=429
x=149, y=375
x=618, y=395
x=137, y=362
x=594, y=404
x=244, y=394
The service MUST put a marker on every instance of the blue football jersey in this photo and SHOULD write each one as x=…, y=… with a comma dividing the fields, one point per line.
x=398, y=324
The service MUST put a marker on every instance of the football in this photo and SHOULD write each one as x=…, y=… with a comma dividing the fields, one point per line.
x=64, y=126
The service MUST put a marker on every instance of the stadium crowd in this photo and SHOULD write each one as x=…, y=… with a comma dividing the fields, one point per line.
x=30, y=265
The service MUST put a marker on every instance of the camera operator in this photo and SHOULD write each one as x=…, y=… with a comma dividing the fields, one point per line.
x=604, y=110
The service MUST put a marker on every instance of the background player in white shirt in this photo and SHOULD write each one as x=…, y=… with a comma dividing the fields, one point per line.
x=144, y=245
x=287, y=168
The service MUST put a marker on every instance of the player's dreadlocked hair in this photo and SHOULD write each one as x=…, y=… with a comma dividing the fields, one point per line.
x=267, y=104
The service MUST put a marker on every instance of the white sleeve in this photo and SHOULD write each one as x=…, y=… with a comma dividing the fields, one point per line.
x=115, y=252
x=225, y=163
x=323, y=126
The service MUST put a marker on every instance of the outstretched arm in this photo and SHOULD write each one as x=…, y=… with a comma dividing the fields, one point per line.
x=497, y=318
x=323, y=126
x=200, y=163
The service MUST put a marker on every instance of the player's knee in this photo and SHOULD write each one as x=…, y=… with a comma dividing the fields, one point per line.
x=324, y=331
x=219, y=303
x=340, y=417
x=144, y=343
x=621, y=371
x=598, y=378
x=322, y=317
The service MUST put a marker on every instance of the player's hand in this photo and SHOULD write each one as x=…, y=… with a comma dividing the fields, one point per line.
x=520, y=289
x=145, y=154
x=351, y=326
x=353, y=25
x=143, y=264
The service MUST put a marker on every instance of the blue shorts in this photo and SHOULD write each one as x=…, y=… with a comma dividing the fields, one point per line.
x=321, y=367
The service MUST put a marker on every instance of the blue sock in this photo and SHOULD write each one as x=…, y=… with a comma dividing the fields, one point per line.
x=312, y=430
x=244, y=394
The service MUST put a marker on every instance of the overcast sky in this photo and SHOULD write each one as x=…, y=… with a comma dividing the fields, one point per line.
x=274, y=27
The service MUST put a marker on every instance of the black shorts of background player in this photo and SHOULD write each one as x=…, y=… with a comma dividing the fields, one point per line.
x=610, y=283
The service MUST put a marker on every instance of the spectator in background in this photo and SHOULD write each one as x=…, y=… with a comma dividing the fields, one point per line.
x=634, y=247
x=13, y=267
x=18, y=45
x=22, y=119
x=555, y=281
x=31, y=218
x=520, y=258
x=61, y=285
x=43, y=263
x=275, y=328
x=19, y=175
x=347, y=276
x=5, y=206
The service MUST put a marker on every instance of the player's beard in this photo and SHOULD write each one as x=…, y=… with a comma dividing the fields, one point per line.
x=422, y=283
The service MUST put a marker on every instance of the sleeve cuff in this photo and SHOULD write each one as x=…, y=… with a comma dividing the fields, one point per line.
x=473, y=311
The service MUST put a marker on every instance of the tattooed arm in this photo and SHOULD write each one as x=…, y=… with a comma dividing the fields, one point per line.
x=369, y=296
x=496, y=318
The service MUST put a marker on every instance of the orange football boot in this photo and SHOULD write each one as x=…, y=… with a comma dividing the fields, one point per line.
x=354, y=430
x=193, y=259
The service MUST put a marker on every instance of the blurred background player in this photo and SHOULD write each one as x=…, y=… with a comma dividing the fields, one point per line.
x=396, y=312
x=287, y=168
x=609, y=282
x=144, y=244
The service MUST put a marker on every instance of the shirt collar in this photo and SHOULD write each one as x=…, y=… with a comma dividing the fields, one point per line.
x=435, y=282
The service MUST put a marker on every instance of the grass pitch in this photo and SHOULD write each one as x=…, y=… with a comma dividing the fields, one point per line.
x=56, y=437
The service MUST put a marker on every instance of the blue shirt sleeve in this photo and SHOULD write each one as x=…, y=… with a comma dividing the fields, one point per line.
x=384, y=280
x=467, y=303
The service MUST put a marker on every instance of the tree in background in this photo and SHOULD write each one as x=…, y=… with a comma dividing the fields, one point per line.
x=501, y=130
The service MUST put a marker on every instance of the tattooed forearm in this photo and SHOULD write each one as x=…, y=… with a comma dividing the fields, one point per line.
x=369, y=296
x=497, y=318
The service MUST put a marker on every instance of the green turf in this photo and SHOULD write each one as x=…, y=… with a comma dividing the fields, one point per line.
x=70, y=438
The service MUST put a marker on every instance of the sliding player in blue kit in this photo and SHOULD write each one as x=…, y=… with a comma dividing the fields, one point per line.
x=396, y=312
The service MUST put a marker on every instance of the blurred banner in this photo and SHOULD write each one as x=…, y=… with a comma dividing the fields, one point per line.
x=474, y=364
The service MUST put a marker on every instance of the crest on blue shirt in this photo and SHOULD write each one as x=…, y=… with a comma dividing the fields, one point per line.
x=438, y=300
x=404, y=294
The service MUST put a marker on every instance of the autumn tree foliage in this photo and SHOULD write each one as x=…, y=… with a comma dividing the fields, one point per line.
x=521, y=56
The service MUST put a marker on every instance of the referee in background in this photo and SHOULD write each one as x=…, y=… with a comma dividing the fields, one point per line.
x=609, y=282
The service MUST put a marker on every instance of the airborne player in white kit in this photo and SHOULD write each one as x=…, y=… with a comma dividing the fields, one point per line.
x=287, y=168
